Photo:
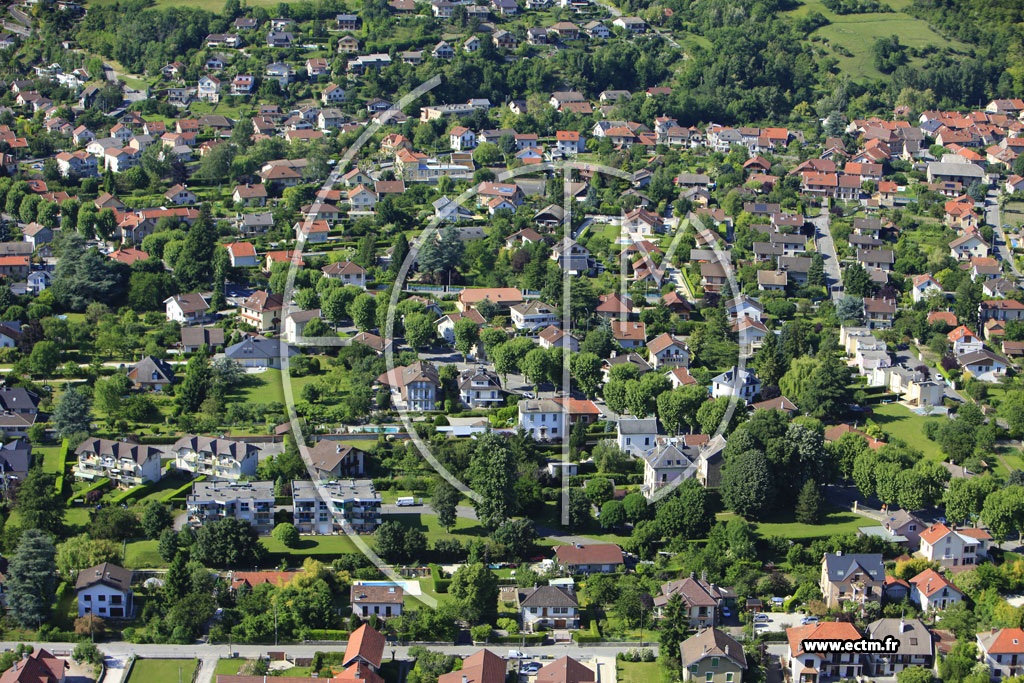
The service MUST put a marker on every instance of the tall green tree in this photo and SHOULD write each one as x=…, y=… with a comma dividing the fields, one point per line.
x=493, y=473
x=71, y=416
x=32, y=579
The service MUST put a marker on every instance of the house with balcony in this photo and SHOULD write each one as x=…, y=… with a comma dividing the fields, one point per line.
x=879, y=313
x=251, y=502
x=701, y=599
x=667, y=351
x=670, y=460
x=480, y=388
x=346, y=272
x=262, y=310
x=124, y=464
x=811, y=667
x=533, y=316
x=711, y=656
x=217, y=459
x=1002, y=651
x=186, y=308
x=743, y=383
x=413, y=387
x=952, y=547
x=916, y=647
x=548, y=607
x=851, y=577
x=326, y=507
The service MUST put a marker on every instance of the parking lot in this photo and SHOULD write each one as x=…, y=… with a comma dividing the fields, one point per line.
x=778, y=621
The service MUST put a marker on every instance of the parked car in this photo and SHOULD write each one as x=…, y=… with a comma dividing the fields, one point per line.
x=761, y=618
x=530, y=669
x=808, y=620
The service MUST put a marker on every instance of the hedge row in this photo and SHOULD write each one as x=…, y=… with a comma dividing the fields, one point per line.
x=84, y=494
x=328, y=634
x=619, y=479
x=441, y=584
x=131, y=495
x=182, y=490
x=58, y=484
x=528, y=638
x=65, y=452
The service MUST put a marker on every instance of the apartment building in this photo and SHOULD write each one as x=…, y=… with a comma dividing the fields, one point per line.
x=251, y=501
x=218, y=459
x=351, y=501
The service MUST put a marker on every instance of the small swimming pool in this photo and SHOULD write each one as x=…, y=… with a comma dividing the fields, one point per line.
x=410, y=587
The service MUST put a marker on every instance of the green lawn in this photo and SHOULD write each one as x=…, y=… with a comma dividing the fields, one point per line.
x=638, y=672
x=835, y=523
x=163, y=670
x=902, y=423
x=143, y=554
x=230, y=667
x=857, y=33
x=52, y=462
x=267, y=387
x=318, y=547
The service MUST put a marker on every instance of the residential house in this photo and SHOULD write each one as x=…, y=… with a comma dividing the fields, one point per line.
x=347, y=272
x=481, y=667
x=810, y=667
x=744, y=384
x=916, y=646
x=249, y=501
x=381, y=601
x=1002, y=651
x=250, y=195
x=665, y=350
x=879, y=313
x=124, y=464
x=258, y=352
x=262, y=310
x=963, y=340
x=543, y=419
x=701, y=599
x=479, y=388
x=336, y=459
x=242, y=255
x=931, y=590
x=105, y=590
x=548, y=607
x=596, y=558
x=711, y=656
x=413, y=387
x=554, y=337
x=151, y=373
x=851, y=577
x=952, y=547
x=186, y=308
x=983, y=365
x=217, y=459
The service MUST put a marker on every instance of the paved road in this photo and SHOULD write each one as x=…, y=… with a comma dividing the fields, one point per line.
x=825, y=246
x=1002, y=248
x=122, y=649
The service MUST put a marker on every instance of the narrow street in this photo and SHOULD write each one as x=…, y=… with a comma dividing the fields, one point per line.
x=1002, y=248
x=827, y=249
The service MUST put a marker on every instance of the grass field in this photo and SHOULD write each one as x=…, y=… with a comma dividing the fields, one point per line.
x=230, y=667
x=835, y=523
x=857, y=33
x=52, y=463
x=901, y=423
x=1012, y=213
x=143, y=554
x=163, y=670
x=638, y=672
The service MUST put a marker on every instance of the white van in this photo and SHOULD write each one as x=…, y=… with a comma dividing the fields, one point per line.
x=405, y=502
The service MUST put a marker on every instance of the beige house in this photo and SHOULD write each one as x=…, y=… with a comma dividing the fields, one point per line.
x=856, y=577
x=712, y=657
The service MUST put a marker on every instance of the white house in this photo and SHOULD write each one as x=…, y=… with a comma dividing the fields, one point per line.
x=931, y=590
x=923, y=286
x=186, y=308
x=543, y=419
x=968, y=246
x=1002, y=651
x=744, y=384
x=218, y=459
x=548, y=607
x=382, y=602
x=983, y=365
x=461, y=138
x=809, y=667
x=953, y=547
x=668, y=351
x=347, y=272
x=105, y=591
x=533, y=316
x=965, y=341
